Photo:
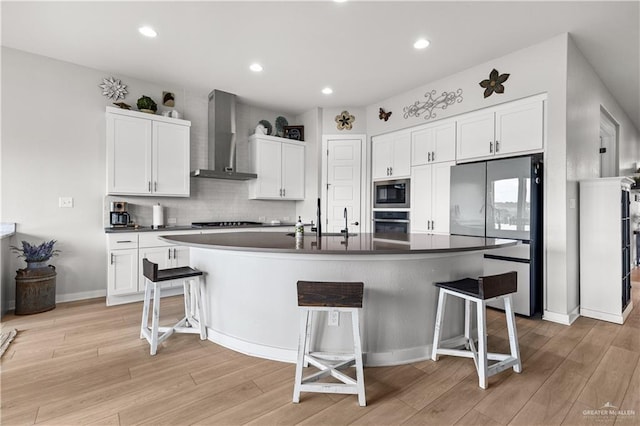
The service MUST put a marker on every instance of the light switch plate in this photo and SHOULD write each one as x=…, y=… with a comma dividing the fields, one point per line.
x=572, y=203
x=65, y=202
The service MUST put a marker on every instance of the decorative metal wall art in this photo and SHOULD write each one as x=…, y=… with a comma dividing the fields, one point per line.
x=494, y=83
x=345, y=120
x=427, y=107
x=382, y=115
x=113, y=89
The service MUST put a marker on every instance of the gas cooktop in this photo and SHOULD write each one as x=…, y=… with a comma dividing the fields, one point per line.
x=224, y=224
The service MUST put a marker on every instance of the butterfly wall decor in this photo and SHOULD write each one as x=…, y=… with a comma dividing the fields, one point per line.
x=384, y=115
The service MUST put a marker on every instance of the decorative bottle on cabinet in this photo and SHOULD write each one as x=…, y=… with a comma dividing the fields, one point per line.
x=605, y=249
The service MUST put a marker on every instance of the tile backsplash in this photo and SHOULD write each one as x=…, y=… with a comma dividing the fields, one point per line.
x=210, y=200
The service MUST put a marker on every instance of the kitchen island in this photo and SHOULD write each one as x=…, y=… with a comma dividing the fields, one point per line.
x=251, y=289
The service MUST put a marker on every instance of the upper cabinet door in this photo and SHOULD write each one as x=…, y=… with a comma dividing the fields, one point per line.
x=382, y=156
x=421, y=146
x=268, y=166
x=170, y=159
x=128, y=155
x=401, y=166
x=475, y=135
x=444, y=143
x=519, y=127
x=292, y=171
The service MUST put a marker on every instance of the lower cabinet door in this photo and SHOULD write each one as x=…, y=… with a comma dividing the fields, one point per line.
x=123, y=272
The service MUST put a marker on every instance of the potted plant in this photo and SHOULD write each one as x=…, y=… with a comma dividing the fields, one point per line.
x=146, y=104
x=36, y=284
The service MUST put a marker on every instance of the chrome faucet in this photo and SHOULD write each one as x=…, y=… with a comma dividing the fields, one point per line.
x=346, y=224
x=318, y=228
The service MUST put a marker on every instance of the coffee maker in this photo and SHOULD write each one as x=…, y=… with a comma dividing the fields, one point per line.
x=119, y=218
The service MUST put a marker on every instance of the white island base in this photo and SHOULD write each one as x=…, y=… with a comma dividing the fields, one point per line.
x=252, y=302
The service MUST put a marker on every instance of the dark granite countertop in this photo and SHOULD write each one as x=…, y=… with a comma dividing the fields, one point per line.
x=193, y=228
x=275, y=242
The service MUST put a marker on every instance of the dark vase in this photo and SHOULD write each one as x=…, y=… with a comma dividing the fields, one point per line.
x=35, y=288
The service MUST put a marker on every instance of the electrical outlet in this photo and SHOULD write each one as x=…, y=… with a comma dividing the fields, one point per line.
x=171, y=221
x=262, y=219
x=334, y=318
x=65, y=202
x=286, y=218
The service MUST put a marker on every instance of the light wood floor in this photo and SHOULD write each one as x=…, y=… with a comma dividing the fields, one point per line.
x=83, y=363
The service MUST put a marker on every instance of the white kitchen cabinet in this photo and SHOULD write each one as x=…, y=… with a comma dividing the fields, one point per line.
x=391, y=155
x=122, y=270
x=605, y=249
x=430, y=198
x=146, y=154
x=434, y=143
x=279, y=164
x=512, y=128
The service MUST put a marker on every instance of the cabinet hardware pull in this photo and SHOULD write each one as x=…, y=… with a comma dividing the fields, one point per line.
x=390, y=171
x=112, y=258
x=491, y=147
x=428, y=224
x=149, y=186
x=174, y=253
x=124, y=241
x=497, y=146
x=433, y=156
x=169, y=254
x=284, y=192
x=433, y=225
x=428, y=156
x=155, y=186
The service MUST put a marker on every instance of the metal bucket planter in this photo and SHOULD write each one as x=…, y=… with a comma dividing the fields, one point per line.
x=35, y=290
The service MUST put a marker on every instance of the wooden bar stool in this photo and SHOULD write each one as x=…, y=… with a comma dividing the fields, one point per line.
x=193, y=296
x=480, y=291
x=334, y=298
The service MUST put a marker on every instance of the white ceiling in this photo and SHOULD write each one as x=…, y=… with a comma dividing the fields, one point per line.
x=363, y=50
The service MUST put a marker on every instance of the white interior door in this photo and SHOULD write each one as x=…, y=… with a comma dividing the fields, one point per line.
x=343, y=184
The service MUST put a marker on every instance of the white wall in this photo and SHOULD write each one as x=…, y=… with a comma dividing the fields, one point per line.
x=330, y=127
x=53, y=144
x=586, y=94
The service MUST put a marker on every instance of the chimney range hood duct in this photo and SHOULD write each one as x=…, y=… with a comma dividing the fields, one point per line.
x=222, y=139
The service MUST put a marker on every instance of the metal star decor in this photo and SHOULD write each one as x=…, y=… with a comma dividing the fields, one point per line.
x=113, y=89
x=345, y=120
x=494, y=83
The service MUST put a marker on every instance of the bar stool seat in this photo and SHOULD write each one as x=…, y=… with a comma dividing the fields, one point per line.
x=192, y=322
x=480, y=291
x=334, y=298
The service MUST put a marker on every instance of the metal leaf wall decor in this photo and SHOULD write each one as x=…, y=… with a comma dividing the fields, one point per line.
x=494, y=83
x=432, y=103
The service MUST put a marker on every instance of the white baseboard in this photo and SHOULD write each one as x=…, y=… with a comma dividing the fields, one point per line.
x=378, y=359
x=70, y=297
x=564, y=319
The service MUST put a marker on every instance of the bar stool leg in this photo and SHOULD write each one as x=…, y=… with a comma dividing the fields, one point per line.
x=467, y=323
x=144, y=324
x=357, y=350
x=307, y=347
x=155, y=318
x=513, y=334
x=482, y=345
x=186, y=299
x=438, y=327
x=302, y=345
x=200, y=306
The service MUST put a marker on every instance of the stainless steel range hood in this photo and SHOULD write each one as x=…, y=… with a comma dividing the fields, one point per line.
x=222, y=139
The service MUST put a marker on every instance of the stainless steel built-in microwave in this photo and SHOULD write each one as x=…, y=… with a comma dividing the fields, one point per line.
x=391, y=194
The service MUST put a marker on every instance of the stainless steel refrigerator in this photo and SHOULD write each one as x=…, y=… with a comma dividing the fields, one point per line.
x=503, y=199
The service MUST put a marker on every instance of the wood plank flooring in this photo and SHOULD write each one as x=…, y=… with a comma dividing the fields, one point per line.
x=83, y=363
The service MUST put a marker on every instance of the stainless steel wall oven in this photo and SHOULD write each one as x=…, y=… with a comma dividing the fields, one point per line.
x=392, y=225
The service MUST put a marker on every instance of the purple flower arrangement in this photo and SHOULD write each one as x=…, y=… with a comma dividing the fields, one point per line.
x=33, y=253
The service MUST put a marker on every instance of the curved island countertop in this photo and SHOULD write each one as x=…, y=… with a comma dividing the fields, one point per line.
x=336, y=244
x=251, y=300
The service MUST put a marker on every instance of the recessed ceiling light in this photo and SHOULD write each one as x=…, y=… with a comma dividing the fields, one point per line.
x=421, y=43
x=147, y=31
x=327, y=90
x=255, y=67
